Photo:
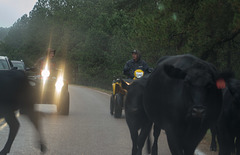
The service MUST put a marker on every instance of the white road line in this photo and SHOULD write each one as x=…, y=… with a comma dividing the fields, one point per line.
x=102, y=92
x=3, y=123
x=3, y=126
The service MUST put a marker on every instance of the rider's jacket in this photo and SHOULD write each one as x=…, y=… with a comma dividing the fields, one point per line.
x=132, y=65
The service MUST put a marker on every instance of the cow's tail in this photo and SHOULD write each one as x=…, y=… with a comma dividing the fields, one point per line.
x=149, y=145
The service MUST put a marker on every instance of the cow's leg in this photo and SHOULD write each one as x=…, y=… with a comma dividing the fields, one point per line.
x=13, y=127
x=173, y=138
x=225, y=149
x=226, y=144
x=34, y=118
x=238, y=146
x=145, y=130
x=190, y=146
x=213, y=146
x=193, y=134
x=156, y=133
x=134, y=137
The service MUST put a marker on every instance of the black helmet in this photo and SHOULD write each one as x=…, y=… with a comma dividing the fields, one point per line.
x=135, y=51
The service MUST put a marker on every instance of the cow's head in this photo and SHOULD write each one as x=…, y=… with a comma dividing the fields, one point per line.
x=200, y=88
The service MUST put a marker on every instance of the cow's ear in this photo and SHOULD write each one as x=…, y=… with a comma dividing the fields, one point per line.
x=220, y=83
x=223, y=78
x=174, y=72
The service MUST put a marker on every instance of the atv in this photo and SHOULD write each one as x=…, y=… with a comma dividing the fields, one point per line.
x=52, y=88
x=120, y=86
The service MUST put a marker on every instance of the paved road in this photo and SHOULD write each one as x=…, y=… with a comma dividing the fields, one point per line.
x=88, y=130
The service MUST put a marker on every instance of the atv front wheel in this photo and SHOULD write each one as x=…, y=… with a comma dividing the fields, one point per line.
x=111, y=104
x=118, y=105
x=63, y=106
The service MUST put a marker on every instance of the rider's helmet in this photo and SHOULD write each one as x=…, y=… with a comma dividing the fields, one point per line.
x=137, y=52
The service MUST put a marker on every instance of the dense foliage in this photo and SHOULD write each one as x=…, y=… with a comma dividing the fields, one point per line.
x=95, y=37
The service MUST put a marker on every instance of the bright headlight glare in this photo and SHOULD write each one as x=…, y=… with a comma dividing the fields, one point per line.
x=45, y=73
x=59, y=84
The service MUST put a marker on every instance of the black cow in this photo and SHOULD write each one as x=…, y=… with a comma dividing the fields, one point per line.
x=228, y=127
x=16, y=93
x=182, y=98
x=136, y=117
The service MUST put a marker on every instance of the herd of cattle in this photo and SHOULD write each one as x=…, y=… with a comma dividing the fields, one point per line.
x=185, y=96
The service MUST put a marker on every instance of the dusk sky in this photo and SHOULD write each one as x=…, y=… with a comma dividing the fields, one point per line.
x=11, y=10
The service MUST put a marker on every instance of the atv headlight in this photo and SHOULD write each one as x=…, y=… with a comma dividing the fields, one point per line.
x=45, y=73
x=59, y=84
x=138, y=73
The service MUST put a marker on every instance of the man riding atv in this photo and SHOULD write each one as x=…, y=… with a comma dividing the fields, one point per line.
x=133, y=69
x=49, y=58
x=135, y=63
x=50, y=83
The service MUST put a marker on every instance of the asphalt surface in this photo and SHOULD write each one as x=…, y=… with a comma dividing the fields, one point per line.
x=88, y=130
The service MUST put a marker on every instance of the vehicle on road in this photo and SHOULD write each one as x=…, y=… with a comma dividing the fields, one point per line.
x=5, y=63
x=19, y=64
x=120, y=86
x=52, y=88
